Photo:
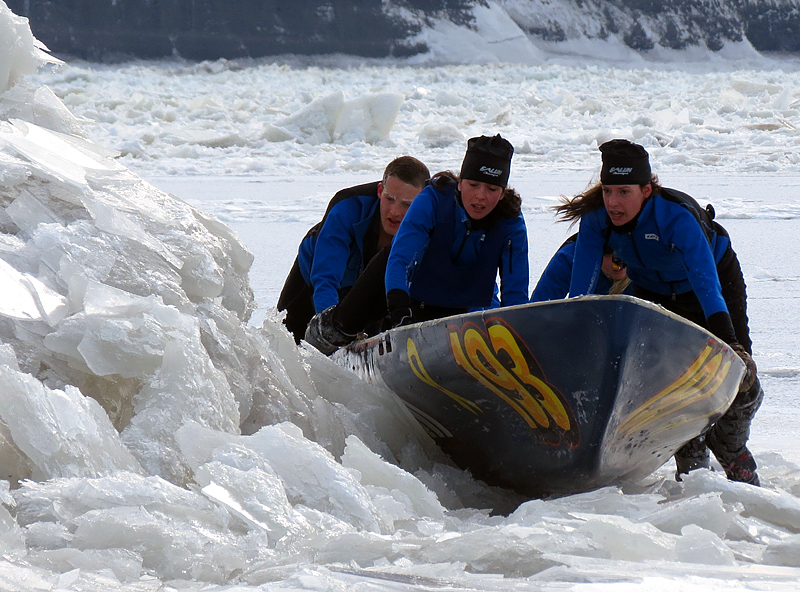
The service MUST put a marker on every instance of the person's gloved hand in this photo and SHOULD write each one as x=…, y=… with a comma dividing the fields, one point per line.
x=399, y=303
x=749, y=378
x=324, y=333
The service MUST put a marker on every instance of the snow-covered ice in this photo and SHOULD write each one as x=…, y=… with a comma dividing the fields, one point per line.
x=159, y=429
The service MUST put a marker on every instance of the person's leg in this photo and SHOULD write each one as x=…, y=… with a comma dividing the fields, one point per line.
x=365, y=303
x=728, y=437
x=692, y=455
x=686, y=305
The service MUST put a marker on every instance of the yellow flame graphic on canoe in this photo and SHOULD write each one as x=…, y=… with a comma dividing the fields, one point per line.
x=418, y=369
x=700, y=381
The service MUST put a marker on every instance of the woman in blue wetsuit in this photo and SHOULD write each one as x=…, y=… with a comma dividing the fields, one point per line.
x=678, y=257
x=458, y=235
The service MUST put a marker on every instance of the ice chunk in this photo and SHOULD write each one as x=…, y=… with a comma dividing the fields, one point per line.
x=273, y=133
x=698, y=545
x=777, y=507
x=120, y=333
x=256, y=495
x=369, y=118
x=47, y=535
x=313, y=477
x=400, y=494
x=124, y=565
x=116, y=222
x=67, y=148
x=20, y=52
x=41, y=106
x=176, y=532
x=440, y=135
x=24, y=297
x=62, y=432
x=606, y=500
x=239, y=479
x=12, y=541
x=186, y=387
x=706, y=510
x=310, y=474
x=233, y=349
x=12, y=170
x=212, y=138
x=624, y=539
x=47, y=153
x=316, y=122
x=784, y=552
x=27, y=212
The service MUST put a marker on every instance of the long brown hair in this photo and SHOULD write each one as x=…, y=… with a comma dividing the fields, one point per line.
x=573, y=208
x=509, y=206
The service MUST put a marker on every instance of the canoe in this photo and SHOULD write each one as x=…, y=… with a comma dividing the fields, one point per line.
x=557, y=397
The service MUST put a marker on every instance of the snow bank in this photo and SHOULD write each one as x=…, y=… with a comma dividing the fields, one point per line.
x=494, y=38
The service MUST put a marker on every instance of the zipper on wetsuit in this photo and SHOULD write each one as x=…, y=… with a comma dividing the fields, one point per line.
x=463, y=242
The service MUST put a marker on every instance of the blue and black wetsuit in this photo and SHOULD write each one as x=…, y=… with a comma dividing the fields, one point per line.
x=332, y=255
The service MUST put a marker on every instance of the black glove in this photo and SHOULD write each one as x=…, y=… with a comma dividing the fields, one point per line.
x=749, y=378
x=399, y=304
x=323, y=332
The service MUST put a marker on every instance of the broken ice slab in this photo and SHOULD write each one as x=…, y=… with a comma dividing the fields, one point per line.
x=24, y=297
x=55, y=156
x=27, y=212
x=62, y=432
x=116, y=222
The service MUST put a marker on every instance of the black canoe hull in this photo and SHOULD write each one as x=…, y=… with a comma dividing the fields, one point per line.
x=556, y=397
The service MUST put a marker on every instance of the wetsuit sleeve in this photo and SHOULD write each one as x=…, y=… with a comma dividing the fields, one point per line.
x=411, y=240
x=588, y=261
x=332, y=252
x=701, y=269
x=514, y=271
x=554, y=283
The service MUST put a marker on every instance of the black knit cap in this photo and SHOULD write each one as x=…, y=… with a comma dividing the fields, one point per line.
x=624, y=163
x=488, y=159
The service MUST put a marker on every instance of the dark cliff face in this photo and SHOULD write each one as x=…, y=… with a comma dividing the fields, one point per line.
x=772, y=25
x=769, y=25
x=208, y=29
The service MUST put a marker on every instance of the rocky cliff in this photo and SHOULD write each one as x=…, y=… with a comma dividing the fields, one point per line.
x=210, y=29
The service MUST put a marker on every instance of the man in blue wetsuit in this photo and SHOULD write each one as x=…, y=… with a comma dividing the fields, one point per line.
x=358, y=223
x=555, y=279
x=460, y=234
x=680, y=258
